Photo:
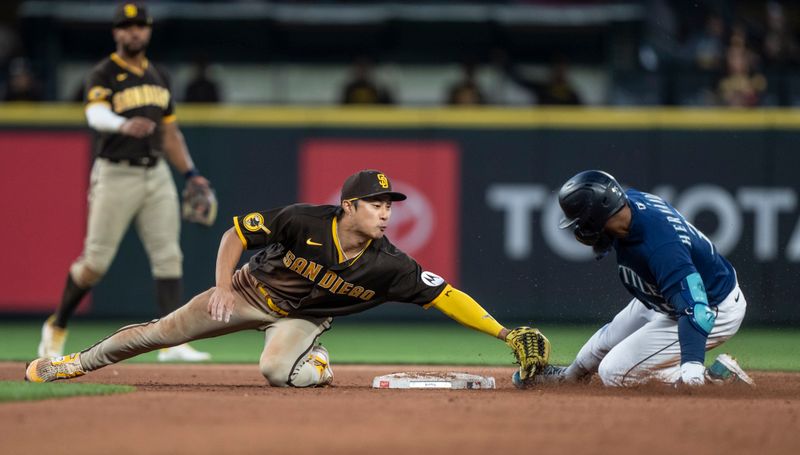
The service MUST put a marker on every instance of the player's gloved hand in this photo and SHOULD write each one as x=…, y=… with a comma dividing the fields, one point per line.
x=693, y=373
x=221, y=303
x=532, y=350
x=199, y=203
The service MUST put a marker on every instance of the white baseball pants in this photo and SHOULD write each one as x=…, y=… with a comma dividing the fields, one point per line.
x=640, y=345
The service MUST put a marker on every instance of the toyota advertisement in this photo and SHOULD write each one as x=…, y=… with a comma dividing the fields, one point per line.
x=481, y=209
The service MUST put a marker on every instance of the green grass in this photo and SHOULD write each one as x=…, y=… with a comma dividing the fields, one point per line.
x=449, y=343
x=23, y=391
x=763, y=349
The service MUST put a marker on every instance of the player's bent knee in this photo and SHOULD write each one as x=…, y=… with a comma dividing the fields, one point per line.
x=610, y=374
x=85, y=276
x=275, y=372
x=171, y=268
x=167, y=262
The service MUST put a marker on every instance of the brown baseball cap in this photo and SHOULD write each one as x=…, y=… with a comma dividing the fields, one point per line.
x=131, y=14
x=369, y=183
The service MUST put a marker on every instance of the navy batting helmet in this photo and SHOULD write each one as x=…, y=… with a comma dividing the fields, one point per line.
x=588, y=200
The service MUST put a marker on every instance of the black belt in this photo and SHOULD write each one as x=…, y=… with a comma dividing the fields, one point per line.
x=144, y=161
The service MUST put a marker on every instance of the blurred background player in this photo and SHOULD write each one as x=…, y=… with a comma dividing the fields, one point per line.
x=130, y=107
x=686, y=296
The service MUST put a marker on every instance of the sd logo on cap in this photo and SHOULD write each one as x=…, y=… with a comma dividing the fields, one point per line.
x=368, y=183
x=131, y=14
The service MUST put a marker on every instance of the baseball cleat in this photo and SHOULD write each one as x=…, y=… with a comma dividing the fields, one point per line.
x=55, y=368
x=550, y=374
x=518, y=383
x=726, y=369
x=182, y=353
x=320, y=359
x=53, y=339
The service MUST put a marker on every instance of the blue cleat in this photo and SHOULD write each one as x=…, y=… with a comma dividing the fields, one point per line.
x=726, y=370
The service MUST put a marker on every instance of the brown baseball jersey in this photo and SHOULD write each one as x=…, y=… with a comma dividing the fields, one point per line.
x=302, y=266
x=130, y=92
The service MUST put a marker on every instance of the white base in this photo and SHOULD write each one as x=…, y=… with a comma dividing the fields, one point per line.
x=448, y=380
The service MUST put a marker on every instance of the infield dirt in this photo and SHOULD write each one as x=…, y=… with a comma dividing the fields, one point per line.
x=204, y=409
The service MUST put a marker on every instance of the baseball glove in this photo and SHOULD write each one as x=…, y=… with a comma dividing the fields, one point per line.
x=199, y=204
x=532, y=350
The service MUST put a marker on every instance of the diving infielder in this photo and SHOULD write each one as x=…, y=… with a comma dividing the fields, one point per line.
x=686, y=297
x=314, y=262
x=130, y=107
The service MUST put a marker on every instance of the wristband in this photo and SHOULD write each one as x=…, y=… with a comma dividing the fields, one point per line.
x=193, y=172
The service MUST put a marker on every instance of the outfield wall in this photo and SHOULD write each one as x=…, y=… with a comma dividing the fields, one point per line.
x=482, y=211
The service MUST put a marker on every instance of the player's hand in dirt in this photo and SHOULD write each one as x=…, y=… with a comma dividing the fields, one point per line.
x=220, y=305
x=138, y=127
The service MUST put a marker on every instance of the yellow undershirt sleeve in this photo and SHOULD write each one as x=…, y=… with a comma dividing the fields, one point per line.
x=466, y=311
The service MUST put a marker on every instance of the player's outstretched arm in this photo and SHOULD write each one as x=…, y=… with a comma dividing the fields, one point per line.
x=530, y=347
x=466, y=311
x=220, y=305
